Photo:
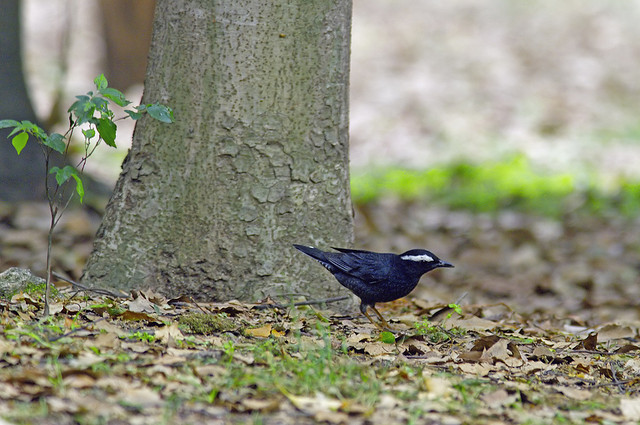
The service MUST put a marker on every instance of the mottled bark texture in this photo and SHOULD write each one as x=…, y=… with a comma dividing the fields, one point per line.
x=257, y=158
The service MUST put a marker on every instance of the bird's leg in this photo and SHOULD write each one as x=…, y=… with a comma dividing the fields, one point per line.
x=364, y=311
x=383, y=326
x=384, y=322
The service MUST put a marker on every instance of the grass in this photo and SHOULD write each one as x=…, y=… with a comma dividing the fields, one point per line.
x=494, y=186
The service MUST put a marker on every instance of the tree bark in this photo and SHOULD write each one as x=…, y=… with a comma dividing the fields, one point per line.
x=257, y=158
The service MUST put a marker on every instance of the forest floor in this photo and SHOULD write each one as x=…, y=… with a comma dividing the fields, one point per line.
x=538, y=323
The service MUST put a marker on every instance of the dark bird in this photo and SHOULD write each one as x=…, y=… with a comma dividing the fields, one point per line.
x=376, y=277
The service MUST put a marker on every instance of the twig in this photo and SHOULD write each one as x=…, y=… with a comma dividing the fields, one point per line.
x=604, y=353
x=198, y=305
x=461, y=297
x=98, y=291
x=618, y=384
x=311, y=302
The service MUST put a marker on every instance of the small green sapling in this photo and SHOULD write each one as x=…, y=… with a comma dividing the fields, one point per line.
x=90, y=114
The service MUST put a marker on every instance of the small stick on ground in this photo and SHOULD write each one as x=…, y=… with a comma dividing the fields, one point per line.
x=310, y=302
x=82, y=287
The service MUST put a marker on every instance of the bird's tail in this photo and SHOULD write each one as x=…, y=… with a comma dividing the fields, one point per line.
x=311, y=252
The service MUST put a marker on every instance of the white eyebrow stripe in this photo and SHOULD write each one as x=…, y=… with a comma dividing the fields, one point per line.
x=423, y=257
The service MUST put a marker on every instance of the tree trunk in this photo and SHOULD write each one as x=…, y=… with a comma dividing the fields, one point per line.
x=127, y=30
x=257, y=158
x=21, y=178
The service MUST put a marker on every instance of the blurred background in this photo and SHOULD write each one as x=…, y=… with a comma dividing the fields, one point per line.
x=432, y=81
x=504, y=136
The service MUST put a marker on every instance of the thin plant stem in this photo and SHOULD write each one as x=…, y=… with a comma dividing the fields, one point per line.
x=52, y=225
x=55, y=212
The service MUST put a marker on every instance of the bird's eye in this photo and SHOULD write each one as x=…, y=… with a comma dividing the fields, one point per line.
x=422, y=258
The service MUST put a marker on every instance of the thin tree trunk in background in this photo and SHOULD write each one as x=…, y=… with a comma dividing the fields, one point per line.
x=256, y=160
x=127, y=28
x=21, y=178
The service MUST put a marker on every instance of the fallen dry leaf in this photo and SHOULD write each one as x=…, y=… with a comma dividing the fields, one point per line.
x=168, y=334
x=630, y=408
x=261, y=332
x=498, y=398
x=316, y=404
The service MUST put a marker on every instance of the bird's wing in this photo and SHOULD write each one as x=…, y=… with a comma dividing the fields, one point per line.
x=366, y=266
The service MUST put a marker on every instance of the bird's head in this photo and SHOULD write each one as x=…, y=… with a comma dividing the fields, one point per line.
x=422, y=260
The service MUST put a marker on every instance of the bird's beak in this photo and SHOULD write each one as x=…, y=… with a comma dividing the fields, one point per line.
x=444, y=264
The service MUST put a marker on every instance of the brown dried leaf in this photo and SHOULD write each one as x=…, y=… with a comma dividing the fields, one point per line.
x=478, y=369
x=86, y=359
x=60, y=405
x=613, y=331
x=575, y=393
x=471, y=323
x=332, y=417
x=627, y=349
x=471, y=356
x=379, y=348
x=485, y=342
x=499, y=351
x=437, y=387
x=232, y=308
x=312, y=405
x=107, y=340
x=589, y=343
x=139, y=396
x=513, y=347
x=542, y=351
x=630, y=408
x=136, y=316
x=168, y=334
x=140, y=305
x=79, y=380
x=261, y=332
x=498, y=398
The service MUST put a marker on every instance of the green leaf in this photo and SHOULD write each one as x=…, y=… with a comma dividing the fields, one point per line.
x=456, y=308
x=56, y=142
x=9, y=123
x=160, y=112
x=79, y=105
x=63, y=174
x=39, y=132
x=101, y=82
x=33, y=129
x=89, y=134
x=20, y=141
x=387, y=337
x=107, y=130
x=100, y=103
x=79, y=186
x=133, y=115
x=82, y=108
x=115, y=95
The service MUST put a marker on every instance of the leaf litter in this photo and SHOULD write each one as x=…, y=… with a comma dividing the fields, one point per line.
x=563, y=356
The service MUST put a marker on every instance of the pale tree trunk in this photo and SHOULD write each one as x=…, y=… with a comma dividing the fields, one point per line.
x=127, y=31
x=256, y=160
